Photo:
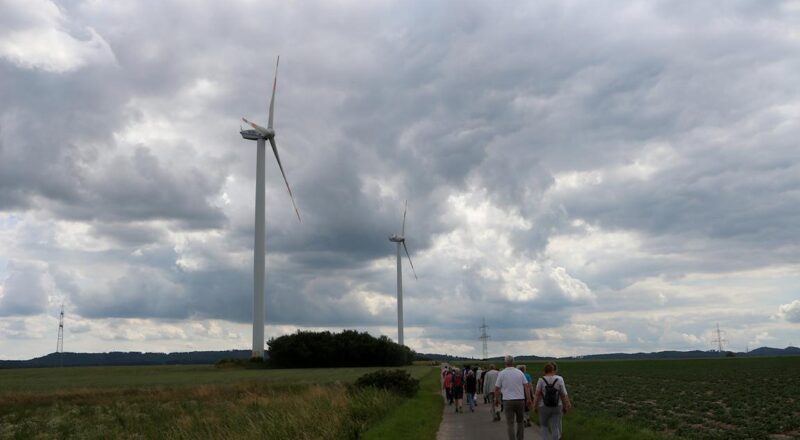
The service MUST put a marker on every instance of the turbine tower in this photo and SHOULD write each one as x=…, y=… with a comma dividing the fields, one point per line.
x=261, y=135
x=401, y=241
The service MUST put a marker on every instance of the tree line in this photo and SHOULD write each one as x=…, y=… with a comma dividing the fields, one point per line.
x=349, y=348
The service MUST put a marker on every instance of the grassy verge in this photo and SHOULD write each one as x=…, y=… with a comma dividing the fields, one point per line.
x=416, y=418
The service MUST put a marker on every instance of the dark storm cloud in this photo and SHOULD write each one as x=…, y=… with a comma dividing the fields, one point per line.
x=137, y=293
x=128, y=234
x=386, y=102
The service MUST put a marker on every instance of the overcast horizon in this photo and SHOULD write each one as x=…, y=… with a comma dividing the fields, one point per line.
x=589, y=177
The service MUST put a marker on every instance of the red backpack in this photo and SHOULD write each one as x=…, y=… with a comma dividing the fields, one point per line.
x=457, y=381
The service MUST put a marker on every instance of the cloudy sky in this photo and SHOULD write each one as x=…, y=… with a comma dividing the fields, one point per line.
x=586, y=176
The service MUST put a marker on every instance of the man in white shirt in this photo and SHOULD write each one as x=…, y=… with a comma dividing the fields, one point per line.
x=511, y=384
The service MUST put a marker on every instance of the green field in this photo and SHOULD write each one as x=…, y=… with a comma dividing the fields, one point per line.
x=51, y=379
x=726, y=398
x=752, y=398
x=190, y=402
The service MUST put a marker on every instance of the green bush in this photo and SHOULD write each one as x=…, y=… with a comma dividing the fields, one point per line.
x=395, y=381
x=252, y=363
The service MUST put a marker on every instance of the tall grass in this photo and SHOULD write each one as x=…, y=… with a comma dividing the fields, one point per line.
x=416, y=418
x=217, y=412
x=250, y=409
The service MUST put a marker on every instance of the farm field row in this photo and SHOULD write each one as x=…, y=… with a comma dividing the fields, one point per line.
x=743, y=398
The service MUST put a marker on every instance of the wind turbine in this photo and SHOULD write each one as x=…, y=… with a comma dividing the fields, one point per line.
x=401, y=240
x=261, y=135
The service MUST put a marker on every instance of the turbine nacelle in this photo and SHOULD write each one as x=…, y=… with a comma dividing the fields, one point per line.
x=396, y=239
x=266, y=133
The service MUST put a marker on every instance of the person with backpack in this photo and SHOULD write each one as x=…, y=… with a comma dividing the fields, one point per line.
x=550, y=401
x=458, y=391
x=471, y=386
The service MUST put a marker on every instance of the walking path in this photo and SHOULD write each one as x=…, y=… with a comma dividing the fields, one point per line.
x=476, y=425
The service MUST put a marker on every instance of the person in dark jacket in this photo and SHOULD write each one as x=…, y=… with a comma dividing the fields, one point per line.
x=471, y=387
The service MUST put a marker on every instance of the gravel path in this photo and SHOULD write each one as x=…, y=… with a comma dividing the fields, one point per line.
x=476, y=425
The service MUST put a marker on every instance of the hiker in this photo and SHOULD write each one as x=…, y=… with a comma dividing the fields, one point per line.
x=476, y=371
x=550, y=401
x=528, y=393
x=458, y=391
x=470, y=386
x=480, y=375
x=561, y=420
x=448, y=386
x=489, y=379
x=511, y=383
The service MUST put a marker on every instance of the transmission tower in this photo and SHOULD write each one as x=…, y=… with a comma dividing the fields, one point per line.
x=60, y=344
x=719, y=339
x=485, y=338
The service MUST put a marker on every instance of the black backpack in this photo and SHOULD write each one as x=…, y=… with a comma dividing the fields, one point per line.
x=551, y=394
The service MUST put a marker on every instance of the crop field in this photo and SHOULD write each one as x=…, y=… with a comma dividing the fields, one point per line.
x=727, y=398
x=189, y=402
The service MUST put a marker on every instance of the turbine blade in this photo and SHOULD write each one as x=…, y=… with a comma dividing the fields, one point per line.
x=272, y=101
x=409, y=260
x=403, y=232
x=280, y=165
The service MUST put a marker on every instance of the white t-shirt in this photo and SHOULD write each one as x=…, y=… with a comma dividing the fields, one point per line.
x=511, y=382
x=560, y=386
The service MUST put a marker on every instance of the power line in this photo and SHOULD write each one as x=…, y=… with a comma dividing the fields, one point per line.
x=60, y=343
x=485, y=338
x=719, y=339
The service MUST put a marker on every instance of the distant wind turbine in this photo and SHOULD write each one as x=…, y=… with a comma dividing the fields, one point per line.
x=260, y=135
x=401, y=240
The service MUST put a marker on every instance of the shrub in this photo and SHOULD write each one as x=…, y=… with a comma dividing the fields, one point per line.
x=395, y=381
x=251, y=364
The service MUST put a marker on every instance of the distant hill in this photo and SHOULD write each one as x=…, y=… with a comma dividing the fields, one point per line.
x=211, y=357
x=769, y=351
x=694, y=354
x=669, y=354
x=126, y=358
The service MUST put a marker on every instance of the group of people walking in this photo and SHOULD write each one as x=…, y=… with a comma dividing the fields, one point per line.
x=511, y=391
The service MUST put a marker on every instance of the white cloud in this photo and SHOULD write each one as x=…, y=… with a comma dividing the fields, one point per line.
x=44, y=40
x=790, y=312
